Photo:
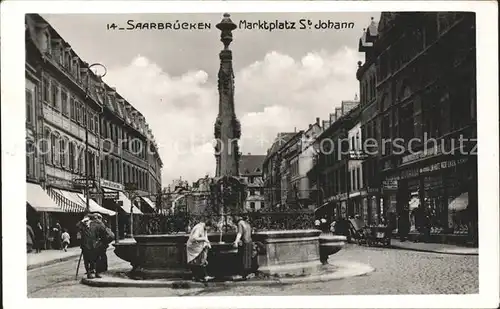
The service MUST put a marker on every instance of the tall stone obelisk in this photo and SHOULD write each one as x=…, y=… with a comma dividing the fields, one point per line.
x=227, y=127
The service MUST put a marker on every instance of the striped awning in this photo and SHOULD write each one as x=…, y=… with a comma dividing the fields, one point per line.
x=94, y=207
x=40, y=200
x=70, y=201
x=149, y=202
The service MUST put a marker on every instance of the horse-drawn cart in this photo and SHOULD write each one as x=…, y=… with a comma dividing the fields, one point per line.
x=370, y=234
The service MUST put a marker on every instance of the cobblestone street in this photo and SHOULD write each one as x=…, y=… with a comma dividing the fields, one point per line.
x=396, y=272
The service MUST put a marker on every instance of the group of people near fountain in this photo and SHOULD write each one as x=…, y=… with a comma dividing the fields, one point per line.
x=198, y=246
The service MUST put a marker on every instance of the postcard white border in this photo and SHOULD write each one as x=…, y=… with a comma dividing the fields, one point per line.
x=13, y=148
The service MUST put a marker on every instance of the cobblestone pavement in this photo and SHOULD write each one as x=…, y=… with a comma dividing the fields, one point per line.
x=396, y=272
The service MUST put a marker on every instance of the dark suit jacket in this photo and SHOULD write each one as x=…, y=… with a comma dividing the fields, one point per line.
x=93, y=236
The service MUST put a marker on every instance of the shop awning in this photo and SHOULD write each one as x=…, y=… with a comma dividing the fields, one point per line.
x=126, y=202
x=37, y=198
x=460, y=203
x=72, y=197
x=414, y=203
x=149, y=202
x=94, y=207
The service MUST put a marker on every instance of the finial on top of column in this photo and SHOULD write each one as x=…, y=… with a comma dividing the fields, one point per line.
x=226, y=26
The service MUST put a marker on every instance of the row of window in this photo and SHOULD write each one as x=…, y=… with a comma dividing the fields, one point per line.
x=334, y=182
x=414, y=41
x=66, y=154
x=441, y=113
x=110, y=170
x=61, y=100
x=64, y=56
x=368, y=90
x=129, y=142
x=356, y=178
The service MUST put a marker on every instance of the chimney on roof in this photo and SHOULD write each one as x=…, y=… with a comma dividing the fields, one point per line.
x=295, y=129
x=317, y=121
x=310, y=126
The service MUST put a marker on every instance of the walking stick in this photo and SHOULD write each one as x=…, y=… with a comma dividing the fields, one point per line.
x=78, y=266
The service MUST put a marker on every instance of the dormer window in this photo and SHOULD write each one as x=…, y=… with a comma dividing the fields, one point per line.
x=46, y=42
x=77, y=69
x=67, y=60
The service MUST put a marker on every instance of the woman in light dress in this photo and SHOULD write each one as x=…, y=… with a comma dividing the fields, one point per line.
x=197, y=251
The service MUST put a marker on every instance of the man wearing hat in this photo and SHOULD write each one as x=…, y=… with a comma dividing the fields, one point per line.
x=93, y=235
x=245, y=248
x=102, y=259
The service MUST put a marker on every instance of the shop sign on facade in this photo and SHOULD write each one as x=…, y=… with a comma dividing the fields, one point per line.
x=409, y=173
x=442, y=165
x=82, y=183
x=390, y=184
x=58, y=182
x=111, y=185
x=111, y=195
x=421, y=154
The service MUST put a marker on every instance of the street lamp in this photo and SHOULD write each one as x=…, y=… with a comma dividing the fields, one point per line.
x=87, y=190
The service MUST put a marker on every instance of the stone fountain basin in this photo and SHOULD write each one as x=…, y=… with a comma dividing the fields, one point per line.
x=164, y=256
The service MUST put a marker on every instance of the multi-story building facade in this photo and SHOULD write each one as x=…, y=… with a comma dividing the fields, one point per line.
x=80, y=129
x=307, y=195
x=251, y=172
x=357, y=194
x=330, y=173
x=289, y=171
x=366, y=74
x=271, y=172
x=425, y=91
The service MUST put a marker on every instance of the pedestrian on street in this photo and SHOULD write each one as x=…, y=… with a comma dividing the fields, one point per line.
x=244, y=244
x=65, y=240
x=93, y=235
x=39, y=237
x=30, y=238
x=56, y=234
x=102, y=260
x=82, y=225
x=197, y=251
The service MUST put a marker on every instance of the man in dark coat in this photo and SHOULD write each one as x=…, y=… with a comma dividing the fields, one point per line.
x=30, y=238
x=39, y=237
x=93, y=236
x=102, y=260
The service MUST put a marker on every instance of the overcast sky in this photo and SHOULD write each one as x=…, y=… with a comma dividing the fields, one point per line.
x=283, y=79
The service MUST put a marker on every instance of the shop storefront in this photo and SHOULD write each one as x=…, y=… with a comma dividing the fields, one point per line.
x=437, y=190
x=40, y=208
